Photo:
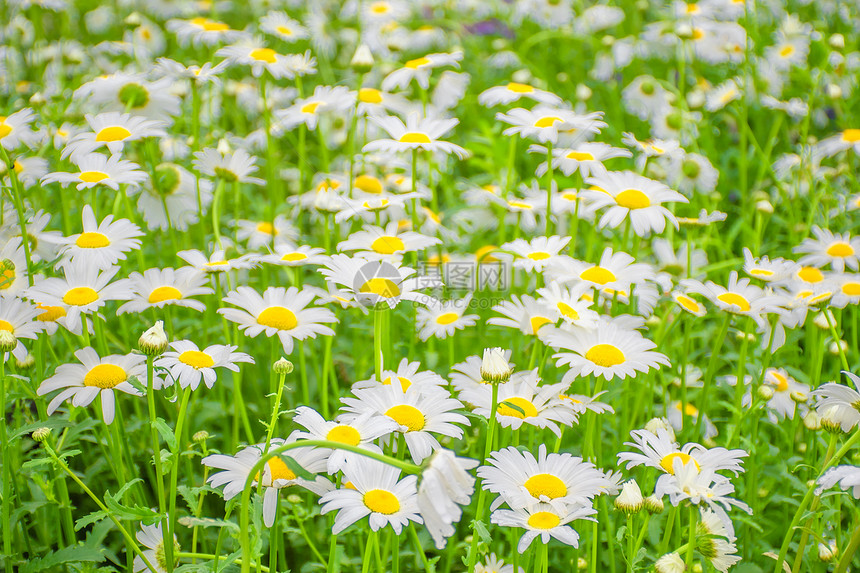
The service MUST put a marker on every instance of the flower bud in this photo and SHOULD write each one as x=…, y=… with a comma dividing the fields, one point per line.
x=28, y=362
x=836, y=41
x=224, y=147
x=696, y=568
x=581, y=563
x=8, y=342
x=40, y=434
x=282, y=366
x=362, y=61
x=765, y=392
x=38, y=98
x=655, y=424
x=200, y=436
x=630, y=499
x=670, y=563
x=294, y=498
x=831, y=420
x=812, y=421
x=799, y=397
x=827, y=552
x=583, y=92
x=495, y=367
x=684, y=31
x=834, y=91
x=522, y=76
x=802, y=447
x=764, y=207
x=820, y=320
x=653, y=504
x=154, y=341
x=835, y=347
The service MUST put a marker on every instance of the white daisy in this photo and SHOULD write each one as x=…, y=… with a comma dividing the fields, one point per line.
x=440, y=319
x=376, y=243
x=544, y=521
x=97, y=169
x=417, y=133
x=231, y=167
x=157, y=288
x=113, y=130
x=375, y=283
x=513, y=91
x=103, y=243
x=837, y=250
x=187, y=364
x=587, y=158
x=419, y=70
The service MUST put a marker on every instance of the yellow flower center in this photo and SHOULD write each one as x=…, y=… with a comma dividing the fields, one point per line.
x=210, y=25
x=408, y=416
x=528, y=409
x=840, y=249
x=279, y=469
x=293, y=257
x=414, y=137
x=4, y=129
x=368, y=184
x=51, y=313
x=196, y=359
x=580, y=156
x=518, y=88
x=379, y=7
x=546, y=485
x=567, y=310
x=520, y=205
x=761, y=272
x=266, y=229
x=405, y=383
x=547, y=121
x=105, y=376
x=163, y=293
x=369, y=95
x=388, y=245
x=633, y=199
x=278, y=317
x=267, y=55
x=344, y=435
x=538, y=256
x=735, y=299
x=698, y=33
x=381, y=501
x=598, y=275
x=285, y=30
x=605, y=355
x=668, y=461
x=689, y=410
x=543, y=520
x=93, y=176
x=92, y=241
x=851, y=289
x=537, y=322
x=447, y=318
x=786, y=51
x=7, y=326
x=688, y=303
x=417, y=63
x=80, y=296
x=781, y=381
x=810, y=275
x=380, y=287
x=311, y=107
x=112, y=133
x=849, y=135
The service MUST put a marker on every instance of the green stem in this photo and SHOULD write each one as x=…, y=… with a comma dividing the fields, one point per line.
x=551, y=177
x=5, y=470
x=19, y=208
x=156, y=450
x=488, y=445
x=174, y=471
x=712, y=366
x=692, y=542
x=851, y=550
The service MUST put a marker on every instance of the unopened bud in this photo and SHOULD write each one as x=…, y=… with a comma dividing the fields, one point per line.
x=494, y=366
x=200, y=436
x=697, y=567
x=838, y=347
x=224, y=147
x=581, y=563
x=765, y=392
x=583, y=92
x=827, y=552
x=653, y=504
x=294, y=498
x=820, y=320
x=764, y=207
x=834, y=91
x=836, y=41
x=8, y=342
x=282, y=366
x=40, y=434
x=655, y=424
x=607, y=41
x=799, y=397
x=802, y=447
x=684, y=31
x=670, y=563
x=630, y=499
x=812, y=421
x=763, y=492
x=830, y=420
x=38, y=98
x=362, y=61
x=522, y=76
x=154, y=341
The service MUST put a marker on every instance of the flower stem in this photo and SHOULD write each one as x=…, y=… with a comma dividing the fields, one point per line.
x=712, y=366
x=156, y=451
x=479, y=512
x=174, y=471
x=549, y=183
x=692, y=542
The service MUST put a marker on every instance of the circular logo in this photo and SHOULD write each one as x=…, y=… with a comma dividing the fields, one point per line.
x=377, y=283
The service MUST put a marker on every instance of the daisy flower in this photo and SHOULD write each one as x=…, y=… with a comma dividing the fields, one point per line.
x=544, y=521
x=374, y=282
x=527, y=314
x=375, y=243
x=205, y=74
x=535, y=254
x=419, y=70
x=847, y=290
x=29, y=170
x=737, y=297
x=203, y=31
x=361, y=432
x=18, y=317
x=765, y=269
x=94, y=376
x=839, y=403
x=280, y=312
x=336, y=101
x=179, y=193
x=689, y=304
x=133, y=93
x=848, y=478
x=373, y=102
x=97, y=169
x=408, y=375
x=157, y=288
x=187, y=364
x=692, y=173
x=261, y=233
x=635, y=198
x=255, y=54
x=377, y=491
x=417, y=133
x=830, y=146
x=418, y=415
x=573, y=305
x=786, y=393
x=587, y=158
x=837, y=250
x=113, y=130
x=523, y=401
x=83, y=290
x=152, y=538
x=289, y=255
x=716, y=540
x=440, y=319
x=15, y=129
x=103, y=243
x=544, y=123
x=231, y=167
x=283, y=27
x=662, y=452
x=492, y=564
x=276, y=473
x=217, y=262
x=608, y=350
x=616, y=270
x=513, y=91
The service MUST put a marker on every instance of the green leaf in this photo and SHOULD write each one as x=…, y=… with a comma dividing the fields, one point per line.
x=208, y=522
x=482, y=532
x=136, y=384
x=53, y=423
x=72, y=554
x=513, y=406
x=297, y=469
x=166, y=433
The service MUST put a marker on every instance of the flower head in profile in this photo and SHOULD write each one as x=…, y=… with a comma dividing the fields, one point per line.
x=417, y=133
x=444, y=486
